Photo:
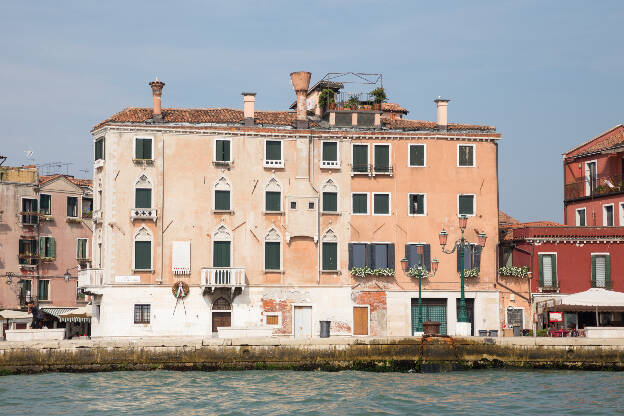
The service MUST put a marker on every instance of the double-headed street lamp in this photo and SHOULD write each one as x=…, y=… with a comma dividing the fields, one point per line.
x=420, y=271
x=462, y=315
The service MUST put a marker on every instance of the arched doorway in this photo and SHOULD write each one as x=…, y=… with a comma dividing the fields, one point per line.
x=221, y=314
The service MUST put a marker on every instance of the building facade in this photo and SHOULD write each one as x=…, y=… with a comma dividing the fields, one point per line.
x=216, y=220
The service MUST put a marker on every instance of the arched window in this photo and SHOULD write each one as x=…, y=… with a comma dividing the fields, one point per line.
x=143, y=192
x=221, y=304
x=273, y=250
x=222, y=247
x=330, y=197
x=222, y=190
x=329, y=244
x=143, y=249
x=273, y=196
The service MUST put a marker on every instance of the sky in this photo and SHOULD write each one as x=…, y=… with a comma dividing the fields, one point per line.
x=548, y=75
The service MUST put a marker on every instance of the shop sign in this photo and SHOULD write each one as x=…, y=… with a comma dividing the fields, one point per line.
x=555, y=316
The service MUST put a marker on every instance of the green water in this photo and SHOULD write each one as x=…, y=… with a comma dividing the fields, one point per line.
x=505, y=392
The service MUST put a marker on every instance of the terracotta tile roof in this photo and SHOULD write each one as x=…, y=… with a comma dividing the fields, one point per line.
x=275, y=118
x=76, y=181
x=393, y=107
x=568, y=232
x=611, y=138
x=504, y=219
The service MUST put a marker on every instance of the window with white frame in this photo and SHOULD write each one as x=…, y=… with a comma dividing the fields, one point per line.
x=47, y=248
x=329, y=155
x=72, y=206
x=222, y=248
x=417, y=204
x=466, y=155
x=222, y=150
x=143, y=149
x=143, y=192
x=45, y=204
x=417, y=155
x=547, y=270
x=29, y=211
x=330, y=197
x=273, y=196
x=143, y=250
x=99, y=149
x=581, y=220
x=359, y=203
x=466, y=204
x=359, y=161
x=81, y=249
x=142, y=314
x=272, y=250
x=273, y=154
x=381, y=203
x=607, y=215
x=329, y=247
x=381, y=161
x=222, y=195
x=591, y=177
x=44, y=290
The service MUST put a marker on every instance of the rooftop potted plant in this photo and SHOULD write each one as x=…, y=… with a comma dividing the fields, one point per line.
x=379, y=96
x=327, y=99
x=353, y=102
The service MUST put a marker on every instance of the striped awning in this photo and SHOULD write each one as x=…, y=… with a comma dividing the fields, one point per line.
x=82, y=314
x=56, y=311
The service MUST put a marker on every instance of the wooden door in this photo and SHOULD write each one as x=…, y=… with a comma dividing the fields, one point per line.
x=303, y=321
x=360, y=320
x=221, y=319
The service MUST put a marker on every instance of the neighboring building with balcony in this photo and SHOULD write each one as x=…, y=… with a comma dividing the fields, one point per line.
x=594, y=181
x=277, y=219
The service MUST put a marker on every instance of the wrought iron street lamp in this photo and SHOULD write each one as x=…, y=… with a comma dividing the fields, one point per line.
x=420, y=271
x=462, y=315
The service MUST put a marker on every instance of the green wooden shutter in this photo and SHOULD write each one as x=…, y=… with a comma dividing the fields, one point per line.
x=466, y=205
x=554, y=270
x=44, y=204
x=222, y=200
x=540, y=259
x=147, y=148
x=52, y=247
x=360, y=158
x=138, y=149
x=221, y=254
x=143, y=198
x=273, y=150
x=272, y=255
x=99, y=149
x=42, y=246
x=417, y=155
x=226, y=150
x=273, y=201
x=593, y=271
x=330, y=256
x=222, y=151
x=360, y=203
x=330, y=151
x=330, y=201
x=608, y=271
x=381, y=204
x=382, y=158
x=142, y=255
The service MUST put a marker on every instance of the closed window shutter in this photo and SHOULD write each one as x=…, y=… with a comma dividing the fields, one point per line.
x=142, y=255
x=360, y=202
x=272, y=255
x=330, y=201
x=222, y=200
x=593, y=271
x=540, y=259
x=273, y=150
x=330, y=151
x=411, y=255
x=466, y=204
x=143, y=198
x=273, y=200
x=390, y=260
x=360, y=158
x=553, y=261
x=601, y=276
x=382, y=158
x=42, y=246
x=330, y=256
x=427, y=256
x=221, y=254
x=477, y=257
x=608, y=272
x=417, y=155
x=370, y=256
x=350, y=249
x=381, y=204
x=147, y=148
x=52, y=248
x=139, y=149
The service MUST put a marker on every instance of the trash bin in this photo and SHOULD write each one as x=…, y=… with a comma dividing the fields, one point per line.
x=483, y=332
x=517, y=330
x=325, y=328
x=493, y=332
x=431, y=328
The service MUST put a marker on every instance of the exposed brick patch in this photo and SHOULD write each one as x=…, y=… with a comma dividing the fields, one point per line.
x=340, y=327
x=283, y=306
x=378, y=310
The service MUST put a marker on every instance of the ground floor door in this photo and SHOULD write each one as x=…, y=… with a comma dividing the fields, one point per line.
x=303, y=322
x=469, y=312
x=360, y=320
x=221, y=319
x=433, y=310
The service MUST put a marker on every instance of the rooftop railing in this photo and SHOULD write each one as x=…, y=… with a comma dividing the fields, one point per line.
x=600, y=185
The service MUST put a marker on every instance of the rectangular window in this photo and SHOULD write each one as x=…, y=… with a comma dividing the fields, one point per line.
x=142, y=255
x=580, y=217
x=143, y=198
x=472, y=257
x=416, y=204
x=330, y=202
x=381, y=204
x=28, y=252
x=272, y=319
x=222, y=150
x=330, y=152
x=273, y=201
x=507, y=256
x=87, y=207
x=29, y=206
x=80, y=296
x=547, y=270
x=360, y=158
x=601, y=270
x=142, y=314
x=99, y=149
x=45, y=204
x=382, y=158
x=47, y=247
x=330, y=256
x=222, y=200
x=272, y=255
x=418, y=260
x=81, y=249
x=221, y=254
x=382, y=256
x=417, y=155
x=357, y=254
x=44, y=290
x=26, y=291
x=72, y=206
x=273, y=153
x=143, y=149
x=466, y=205
x=607, y=215
x=591, y=178
x=465, y=155
x=360, y=203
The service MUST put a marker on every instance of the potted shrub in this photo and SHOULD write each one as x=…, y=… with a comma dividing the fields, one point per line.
x=327, y=100
x=353, y=102
x=379, y=96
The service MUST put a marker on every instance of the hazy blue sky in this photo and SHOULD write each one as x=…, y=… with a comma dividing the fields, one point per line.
x=547, y=74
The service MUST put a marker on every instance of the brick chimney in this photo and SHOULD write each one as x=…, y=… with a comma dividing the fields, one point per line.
x=249, y=112
x=442, y=104
x=301, y=83
x=157, y=87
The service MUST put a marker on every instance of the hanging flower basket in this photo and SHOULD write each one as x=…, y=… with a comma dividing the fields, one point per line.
x=180, y=289
x=471, y=273
x=514, y=271
x=417, y=272
x=367, y=271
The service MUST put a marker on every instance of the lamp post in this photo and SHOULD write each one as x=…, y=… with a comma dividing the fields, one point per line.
x=462, y=315
x=421, y=271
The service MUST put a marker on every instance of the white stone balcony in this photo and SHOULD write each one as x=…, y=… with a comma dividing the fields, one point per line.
x=270, y=163
x=143, y=214
x=330, y=164
x=223, y=277
x=90, y=278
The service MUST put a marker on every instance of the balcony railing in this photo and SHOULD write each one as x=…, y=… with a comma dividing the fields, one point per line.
x=361, y=169
x=90, y=278
x=330, y=164
x=601, y=185
x=143, y=214
x=382, y=170
x=228, y=277
x=604, y=285
x=549, y=287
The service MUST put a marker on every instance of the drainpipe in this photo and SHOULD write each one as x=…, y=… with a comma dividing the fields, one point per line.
x=159, y=278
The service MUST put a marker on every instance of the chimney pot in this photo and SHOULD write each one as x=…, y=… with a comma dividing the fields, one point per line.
x=249, y=112
x=442, y=104
x=301, y=82
x=157, y=87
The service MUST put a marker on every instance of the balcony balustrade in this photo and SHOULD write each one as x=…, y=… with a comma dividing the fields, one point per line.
x=97, y=216
x=90, y=278
x=330, y=164
x=270, y=163
x=223, y=277
x=143, y=214
x=586, y=188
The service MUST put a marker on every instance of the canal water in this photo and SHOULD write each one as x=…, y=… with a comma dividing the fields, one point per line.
x=480, y=392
